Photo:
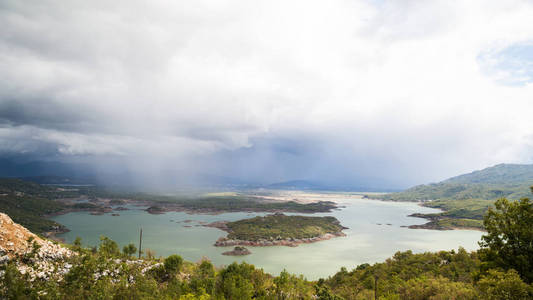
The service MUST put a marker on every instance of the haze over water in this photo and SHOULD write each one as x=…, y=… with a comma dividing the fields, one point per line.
x=366, y=241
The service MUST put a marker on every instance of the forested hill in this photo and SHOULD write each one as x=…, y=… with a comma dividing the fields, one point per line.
x=498, y=174
x=504, y=180
x=27, y=203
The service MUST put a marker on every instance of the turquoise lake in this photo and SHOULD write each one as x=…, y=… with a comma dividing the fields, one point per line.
x=366, y=240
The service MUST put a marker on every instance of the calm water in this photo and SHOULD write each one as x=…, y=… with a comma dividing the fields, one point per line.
x=366, y=241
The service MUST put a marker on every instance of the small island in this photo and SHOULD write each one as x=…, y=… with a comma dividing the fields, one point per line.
x=155, y=210
x=238, y=251
x=278, y=230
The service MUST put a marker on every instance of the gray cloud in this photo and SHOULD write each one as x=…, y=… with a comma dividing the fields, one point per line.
x=373, y=92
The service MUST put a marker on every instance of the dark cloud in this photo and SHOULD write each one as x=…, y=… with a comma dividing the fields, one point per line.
x=357, y=93
x=44, y=114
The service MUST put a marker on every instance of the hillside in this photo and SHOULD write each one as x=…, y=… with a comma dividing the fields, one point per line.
x=504, y=180
x=17, y=241
x=28, y=202
x=498, y=174
x=466, y=198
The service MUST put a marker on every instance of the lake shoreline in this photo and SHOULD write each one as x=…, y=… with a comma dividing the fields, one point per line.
x=101, y=206
x=225, y=242
x=166, y=234
x=432, y=223
x=104, y=206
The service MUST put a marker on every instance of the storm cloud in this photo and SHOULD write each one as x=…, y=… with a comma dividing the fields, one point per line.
x=361, y=93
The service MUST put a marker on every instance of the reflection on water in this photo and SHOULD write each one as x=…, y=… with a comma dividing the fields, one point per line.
x=366, y=241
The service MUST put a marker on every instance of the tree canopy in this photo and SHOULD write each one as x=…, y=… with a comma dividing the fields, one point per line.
x=508, y=243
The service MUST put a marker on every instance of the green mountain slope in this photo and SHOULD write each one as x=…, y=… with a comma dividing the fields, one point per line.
x=498, y=174
x=504, y=180
x=466, y=198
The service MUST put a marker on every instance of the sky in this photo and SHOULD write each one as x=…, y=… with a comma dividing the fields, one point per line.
x=355, y=93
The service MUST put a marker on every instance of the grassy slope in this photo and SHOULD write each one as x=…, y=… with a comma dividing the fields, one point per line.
x=460, y=191
x=466, y=198
x=283, y=227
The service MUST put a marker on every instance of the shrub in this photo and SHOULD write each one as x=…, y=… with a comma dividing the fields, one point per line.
x=173, y=264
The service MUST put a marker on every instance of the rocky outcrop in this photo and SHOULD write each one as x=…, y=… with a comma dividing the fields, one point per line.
x=15, y=240
x=42, y=260
x=225, y=242
x=37, y=257
x=222, y=225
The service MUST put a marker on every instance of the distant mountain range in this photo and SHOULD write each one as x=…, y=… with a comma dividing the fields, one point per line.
x=512, y=181
x=217, y=182
x=319, y=186
x=295, y=185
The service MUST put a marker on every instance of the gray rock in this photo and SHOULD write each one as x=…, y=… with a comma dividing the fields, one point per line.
x=4, y=259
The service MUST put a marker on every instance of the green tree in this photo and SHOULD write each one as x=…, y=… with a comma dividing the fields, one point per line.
x=497, y=285
x=77, y=243
x=195, y=297
x=421, y=288
x=288, y=286
x=129, y=250
x=108, y=247
x=173, y=264
x=235, y=281
x=203, y=278
x=14, y=285
x=508, y=243
x=322, y=292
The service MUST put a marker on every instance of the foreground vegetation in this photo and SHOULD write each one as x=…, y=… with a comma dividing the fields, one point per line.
x=501, y=269
x=107, y=273
x=279, y=226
